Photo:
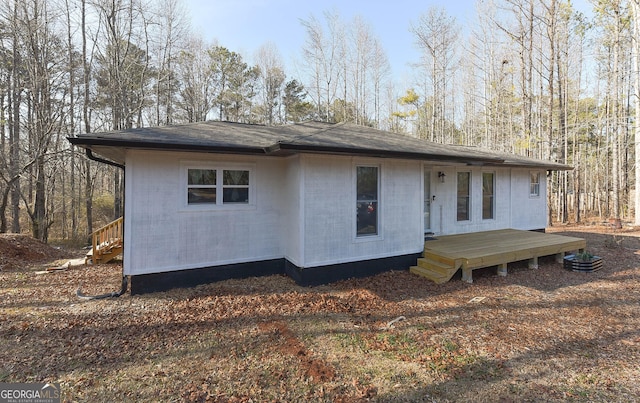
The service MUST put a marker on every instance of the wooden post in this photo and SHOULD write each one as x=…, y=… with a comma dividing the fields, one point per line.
x=559, y=257
x=466, y=276
x=502, y=270
x=533, y=263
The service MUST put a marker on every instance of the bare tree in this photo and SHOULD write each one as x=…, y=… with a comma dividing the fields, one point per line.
x=436, y=35
x=522, y=33
x=368, y=67
x=272, y=77
x=195, y=80
x=86, y=74
x=43, y=51
x=321, y=59
x=14, y=122
x=169, y=35
x=612, y=13
x=635, y=5
x=380, y=72
x=124, y=73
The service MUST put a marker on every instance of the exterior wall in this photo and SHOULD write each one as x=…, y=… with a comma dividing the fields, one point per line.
x=329, y=204
x=293, y=189
x=514, y=207
x=529, y=212
x=162, y=233
x=302, y=209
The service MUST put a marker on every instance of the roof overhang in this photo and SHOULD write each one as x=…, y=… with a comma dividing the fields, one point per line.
x=286, y=149
x=116, y=150
x=306, y=138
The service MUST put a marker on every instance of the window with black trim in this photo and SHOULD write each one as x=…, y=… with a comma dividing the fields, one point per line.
x=464, y=196
x=488, y=195
x=367, y=201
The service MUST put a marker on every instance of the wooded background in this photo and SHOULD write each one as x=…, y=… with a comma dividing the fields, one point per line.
x=531, y=77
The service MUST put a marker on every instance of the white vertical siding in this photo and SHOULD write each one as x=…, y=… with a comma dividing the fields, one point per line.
x=303, y=208
x=292, y=212
x=330, y=210
x=163, y=234
x=514, y=208
x=529, y=212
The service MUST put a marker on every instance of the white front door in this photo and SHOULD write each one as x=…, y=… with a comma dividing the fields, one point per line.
x=427, y=200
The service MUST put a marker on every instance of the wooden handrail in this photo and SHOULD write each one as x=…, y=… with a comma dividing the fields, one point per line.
x=107, y=237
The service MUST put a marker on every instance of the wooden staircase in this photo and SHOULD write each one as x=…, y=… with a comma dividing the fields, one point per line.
x=106, y=243
x=436, y=267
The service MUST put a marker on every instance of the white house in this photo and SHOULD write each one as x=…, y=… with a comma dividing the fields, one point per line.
x=318, y=201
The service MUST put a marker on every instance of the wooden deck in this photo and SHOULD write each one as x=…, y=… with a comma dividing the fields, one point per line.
x=444, y=256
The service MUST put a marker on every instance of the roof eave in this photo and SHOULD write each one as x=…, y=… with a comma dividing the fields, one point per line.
x=541, y=165
x=87, y=142
x=283, y=148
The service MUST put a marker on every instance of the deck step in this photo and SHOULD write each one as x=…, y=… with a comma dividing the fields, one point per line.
x=104, y=256
x=434, y=270
x=105, y=252
x=430, y=264
x=440, y=258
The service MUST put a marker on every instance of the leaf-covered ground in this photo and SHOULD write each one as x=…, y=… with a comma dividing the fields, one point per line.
x=535, y=335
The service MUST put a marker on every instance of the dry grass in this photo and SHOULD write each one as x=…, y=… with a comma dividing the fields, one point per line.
x=535, y=335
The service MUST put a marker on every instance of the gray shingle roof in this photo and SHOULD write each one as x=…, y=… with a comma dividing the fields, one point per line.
x=307, y=137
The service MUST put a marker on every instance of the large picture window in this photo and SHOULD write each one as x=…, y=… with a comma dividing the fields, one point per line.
x=488, y=196
x=204, y=186
x=464, y=196
x=367, y=202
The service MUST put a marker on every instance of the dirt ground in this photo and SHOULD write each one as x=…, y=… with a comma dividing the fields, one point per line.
x=536, y=335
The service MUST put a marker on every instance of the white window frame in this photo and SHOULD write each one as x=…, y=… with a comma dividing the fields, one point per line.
x=379, y=231
x=534, y=193
x=247, y=186
x=219, y=168
x=202, y=186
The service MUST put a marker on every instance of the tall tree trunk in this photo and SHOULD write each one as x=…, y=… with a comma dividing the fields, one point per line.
x=72, y=125
x=88, y=190
x=551, y=31
x=615, y=156
x=40, y=224
x=562, y=119
x=118, y=188
x=14, y=140
x=636, y=67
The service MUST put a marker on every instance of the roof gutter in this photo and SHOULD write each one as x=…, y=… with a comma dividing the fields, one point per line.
x=88, y=142
x=92, y=157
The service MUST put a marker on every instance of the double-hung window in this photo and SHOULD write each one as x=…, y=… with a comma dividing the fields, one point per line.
x=235, y=186
x=202, y=186
x=216, y=186
x=367, y=200
x=534, y=188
